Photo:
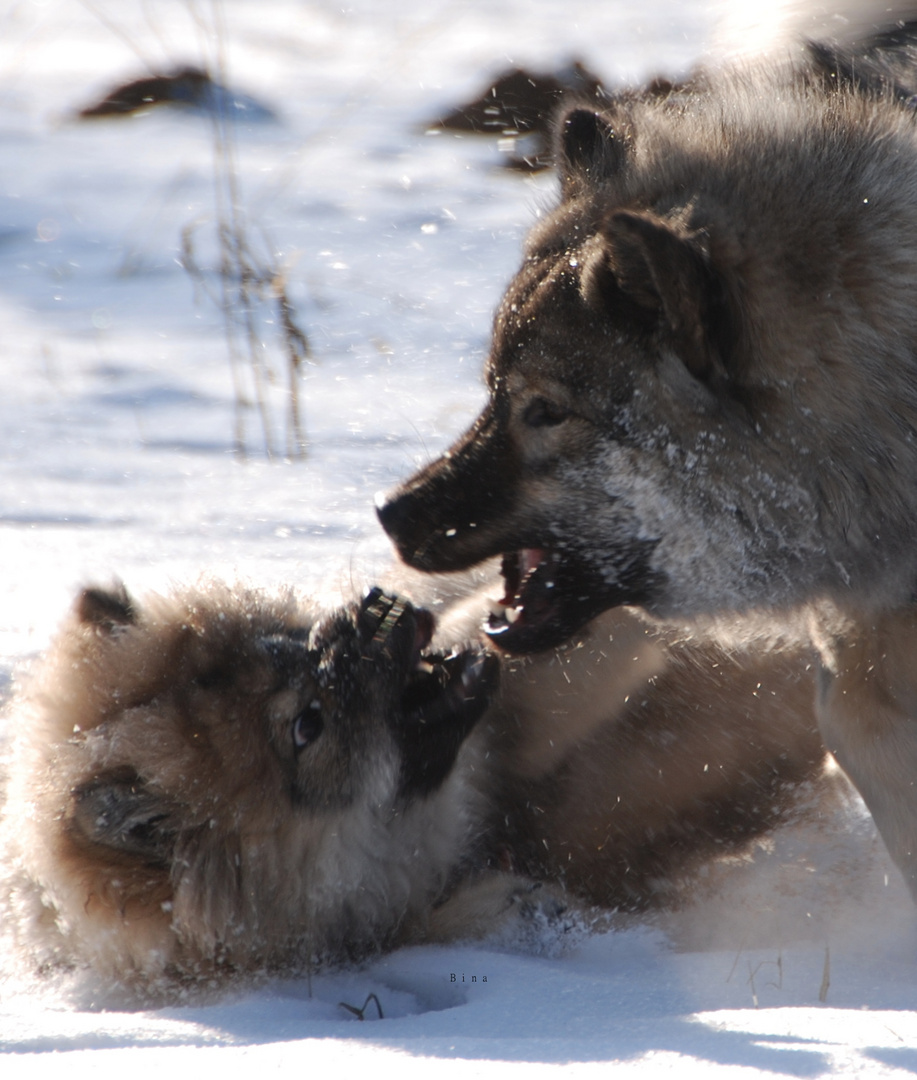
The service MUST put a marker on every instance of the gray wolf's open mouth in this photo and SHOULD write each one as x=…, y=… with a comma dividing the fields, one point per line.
x=548, y=596
x=534, y=612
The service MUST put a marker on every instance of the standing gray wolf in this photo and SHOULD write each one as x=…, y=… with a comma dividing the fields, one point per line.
x=219, y=783
x=703, y=391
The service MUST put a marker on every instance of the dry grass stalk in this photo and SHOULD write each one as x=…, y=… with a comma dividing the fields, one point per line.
x=251, y=288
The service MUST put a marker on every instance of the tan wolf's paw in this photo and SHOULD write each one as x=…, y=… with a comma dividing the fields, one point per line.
x=513, y=910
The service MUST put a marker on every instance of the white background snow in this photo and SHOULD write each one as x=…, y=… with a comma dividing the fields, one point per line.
x=116, y=443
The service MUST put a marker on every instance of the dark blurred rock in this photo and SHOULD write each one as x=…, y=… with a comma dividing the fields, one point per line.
x=190, y=87
x=521, y=102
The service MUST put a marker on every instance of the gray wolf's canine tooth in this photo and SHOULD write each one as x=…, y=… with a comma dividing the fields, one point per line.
x=703, y=390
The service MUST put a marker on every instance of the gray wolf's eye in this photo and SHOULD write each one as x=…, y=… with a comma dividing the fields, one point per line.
x=543, y=413
x=307, y=726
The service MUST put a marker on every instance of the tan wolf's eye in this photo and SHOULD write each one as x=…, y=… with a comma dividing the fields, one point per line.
x=543, y=413
x=307, y=726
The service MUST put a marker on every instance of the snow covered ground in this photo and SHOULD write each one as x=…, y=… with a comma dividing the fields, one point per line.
x=116, y=441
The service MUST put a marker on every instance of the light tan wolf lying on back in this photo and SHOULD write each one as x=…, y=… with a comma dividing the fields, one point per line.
x=220, y=782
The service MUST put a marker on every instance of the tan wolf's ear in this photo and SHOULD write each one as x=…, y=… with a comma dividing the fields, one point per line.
x=591, y=147
x=667, y=271
x=105, y=609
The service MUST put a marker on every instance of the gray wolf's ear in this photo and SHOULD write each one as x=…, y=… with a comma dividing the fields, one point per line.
x=120, y=812
x=105, y=608
x=667, y=272
x=591, y=147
